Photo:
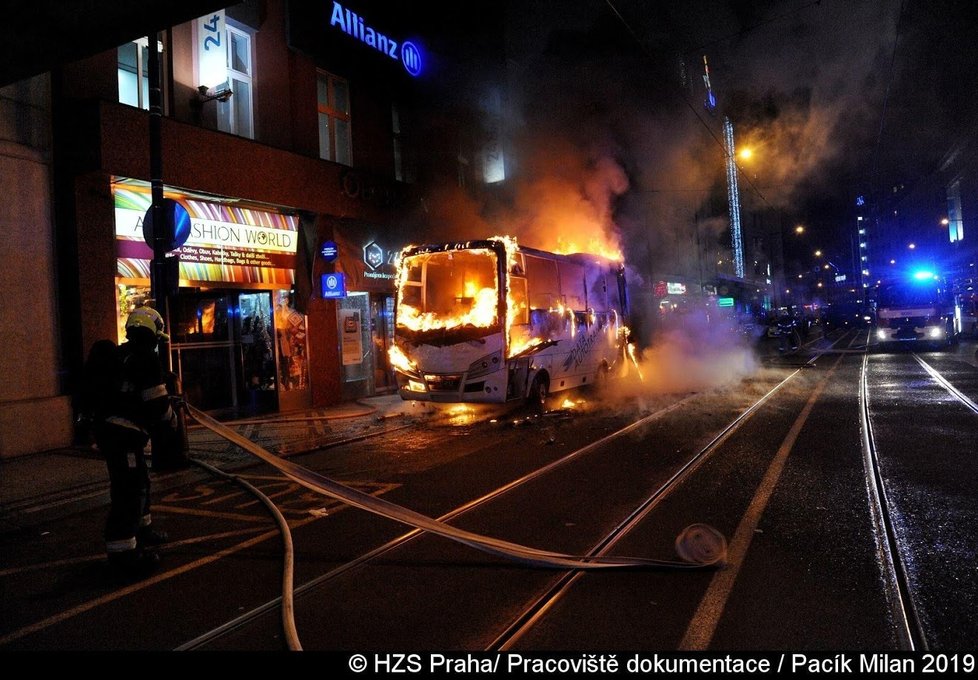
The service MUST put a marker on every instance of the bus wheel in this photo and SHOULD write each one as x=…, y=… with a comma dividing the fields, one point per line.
x=539, y=391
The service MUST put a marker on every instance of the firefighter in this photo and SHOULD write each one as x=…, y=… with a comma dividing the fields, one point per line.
x=137, y=405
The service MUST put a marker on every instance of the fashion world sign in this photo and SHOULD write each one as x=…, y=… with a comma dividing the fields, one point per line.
x=356, y=26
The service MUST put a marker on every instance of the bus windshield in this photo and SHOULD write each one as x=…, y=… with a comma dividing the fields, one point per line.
x=445, y=290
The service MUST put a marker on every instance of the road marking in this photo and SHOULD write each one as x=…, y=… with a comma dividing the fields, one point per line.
x=699, y=632
x=101, y=556
x=211, y=513
x=136, y=587
x=308, y=517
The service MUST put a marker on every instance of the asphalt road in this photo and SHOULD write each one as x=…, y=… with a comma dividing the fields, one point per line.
x=788, y=489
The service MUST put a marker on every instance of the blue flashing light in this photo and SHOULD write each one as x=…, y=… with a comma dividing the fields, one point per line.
x=924, y=275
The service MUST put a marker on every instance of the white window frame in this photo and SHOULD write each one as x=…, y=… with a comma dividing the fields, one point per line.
x=228, y=119
x=142, y=77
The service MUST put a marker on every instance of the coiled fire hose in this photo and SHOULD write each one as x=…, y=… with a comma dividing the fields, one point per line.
x=699, y=545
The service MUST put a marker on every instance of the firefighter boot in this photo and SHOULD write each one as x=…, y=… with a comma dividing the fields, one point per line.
x=133, y=564
x=151, y=537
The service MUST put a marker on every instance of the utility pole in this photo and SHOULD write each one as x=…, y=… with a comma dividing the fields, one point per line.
x=162, y=228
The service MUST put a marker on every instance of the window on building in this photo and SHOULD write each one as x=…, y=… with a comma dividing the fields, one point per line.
x=398, y=144
x=235, y=115
x=133, y=73
x=404, y=166
x=335, y=138
x=955, y=226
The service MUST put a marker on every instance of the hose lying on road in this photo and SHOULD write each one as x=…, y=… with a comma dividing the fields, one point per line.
x=288, y=610
x=710, y=545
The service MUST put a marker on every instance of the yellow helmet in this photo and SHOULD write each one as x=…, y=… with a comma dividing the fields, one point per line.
x=147, y=317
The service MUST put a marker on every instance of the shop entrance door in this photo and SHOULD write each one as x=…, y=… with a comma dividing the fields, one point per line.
x=382, y=337
x=223, y=350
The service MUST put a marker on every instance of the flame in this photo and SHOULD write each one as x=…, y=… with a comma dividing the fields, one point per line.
x=594, y=245
x=400, y=360
x=479, y=300
x=482, y=301
x=631, y=355
x=520, y=345
x=482, y=314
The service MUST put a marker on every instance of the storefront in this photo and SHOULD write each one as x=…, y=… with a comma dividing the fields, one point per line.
x=365, y=307
x=237, y=341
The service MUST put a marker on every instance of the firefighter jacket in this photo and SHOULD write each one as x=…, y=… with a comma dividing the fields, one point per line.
x=139, y=404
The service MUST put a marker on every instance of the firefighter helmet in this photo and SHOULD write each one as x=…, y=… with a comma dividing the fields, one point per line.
x=147, y=317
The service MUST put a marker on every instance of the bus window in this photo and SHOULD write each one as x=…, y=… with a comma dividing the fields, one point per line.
x=572, y=285
x=519, y=311
x=543, y=286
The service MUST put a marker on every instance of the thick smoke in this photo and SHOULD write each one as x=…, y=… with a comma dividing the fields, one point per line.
x=612, y=151
x=806, y=87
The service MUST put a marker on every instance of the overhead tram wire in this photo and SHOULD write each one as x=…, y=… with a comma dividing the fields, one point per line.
x=886, y=97
x=753, y=27
x=686, y=101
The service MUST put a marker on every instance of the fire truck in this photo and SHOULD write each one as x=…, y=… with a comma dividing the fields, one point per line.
x=919, y=308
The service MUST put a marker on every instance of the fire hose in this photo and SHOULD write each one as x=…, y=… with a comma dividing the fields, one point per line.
x=702, y=548
x=699, y=545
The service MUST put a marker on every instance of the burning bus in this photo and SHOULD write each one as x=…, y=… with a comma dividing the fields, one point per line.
x=490, y=321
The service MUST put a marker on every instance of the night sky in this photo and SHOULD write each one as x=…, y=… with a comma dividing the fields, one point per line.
x=836, y=98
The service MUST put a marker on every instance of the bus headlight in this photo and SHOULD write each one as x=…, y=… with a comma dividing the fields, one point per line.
x=881, y=334
x=936, y=332
x=416, y=386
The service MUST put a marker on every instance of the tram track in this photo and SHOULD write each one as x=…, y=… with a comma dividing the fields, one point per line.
x=308, y=587
x=536, y=611
x=539, y=607
x=912, y=632
x=601, y=548
x=539, y=611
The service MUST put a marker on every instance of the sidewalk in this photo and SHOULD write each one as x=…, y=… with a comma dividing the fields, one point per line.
x=51, y=484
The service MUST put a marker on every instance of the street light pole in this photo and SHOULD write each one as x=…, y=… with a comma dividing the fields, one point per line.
x=162, y=235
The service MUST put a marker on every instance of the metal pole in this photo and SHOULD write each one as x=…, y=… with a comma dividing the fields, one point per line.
x=161, y=239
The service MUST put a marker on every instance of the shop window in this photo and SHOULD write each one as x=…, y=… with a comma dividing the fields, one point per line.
x=333, y=104
x=133, y=73
x=290, y=332
x=235, y=114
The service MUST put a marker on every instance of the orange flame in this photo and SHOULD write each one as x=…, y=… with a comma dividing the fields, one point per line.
x=400, y=360
x=594, y=245
x=475, y=304
x=482, y=304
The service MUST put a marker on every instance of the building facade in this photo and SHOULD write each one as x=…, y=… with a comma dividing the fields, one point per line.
x=298, y=143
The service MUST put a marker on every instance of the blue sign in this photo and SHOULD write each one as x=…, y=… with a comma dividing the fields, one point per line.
x=411, y=58
x=333, y=285
x=176, y=225
x=356, y=26
x=329, y=251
